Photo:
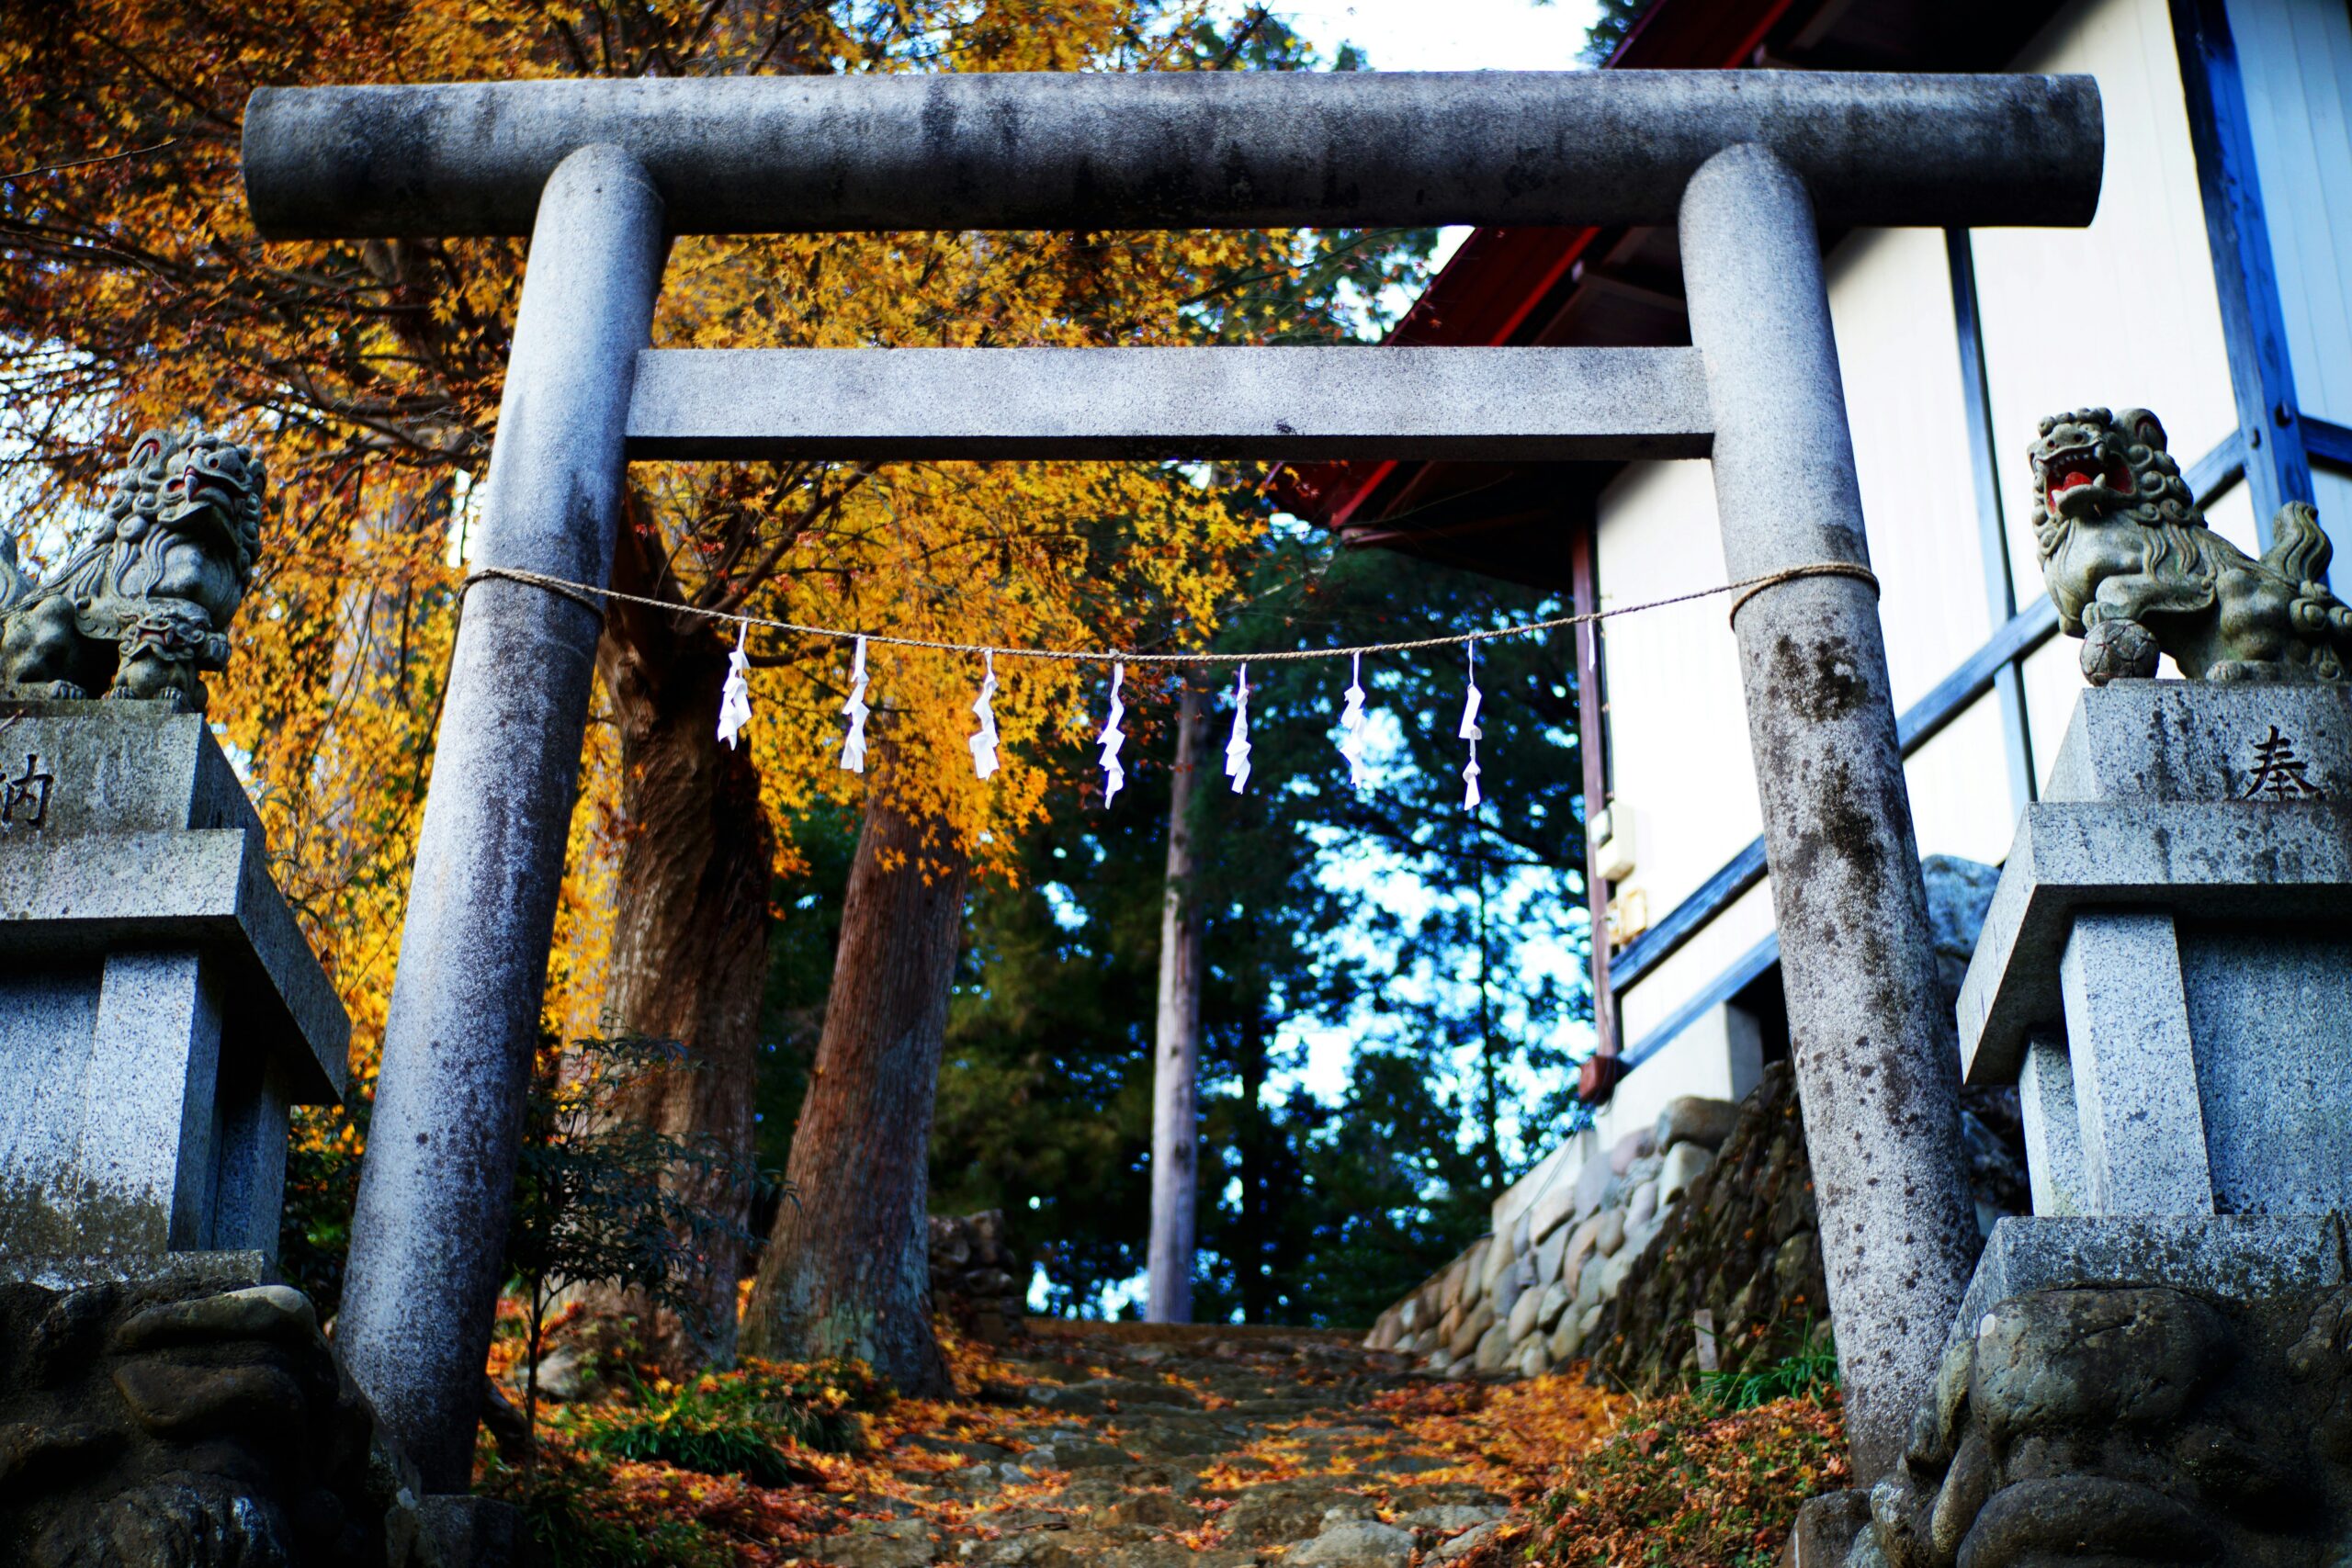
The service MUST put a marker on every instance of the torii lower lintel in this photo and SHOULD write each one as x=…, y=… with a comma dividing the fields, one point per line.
x=602, y=172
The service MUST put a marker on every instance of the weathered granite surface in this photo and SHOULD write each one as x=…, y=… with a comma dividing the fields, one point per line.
x=2157, y=1367
x=2246, y=1257
x=147, y=839
x=2167, y=963
x=160, y=1009
x=195, y=1420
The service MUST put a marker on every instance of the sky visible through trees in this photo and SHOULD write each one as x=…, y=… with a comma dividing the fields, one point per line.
x=1395, y=985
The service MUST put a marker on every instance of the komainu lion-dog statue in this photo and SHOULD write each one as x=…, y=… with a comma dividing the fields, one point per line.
x=142, y=603
x=2136, y=573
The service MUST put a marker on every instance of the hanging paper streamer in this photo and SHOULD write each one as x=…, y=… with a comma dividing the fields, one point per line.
x=735, y=697
x=853, y=744
x=1353, y=743
x=1113, y=775
x=1236, y=748
x=983, y=743
x=1470, y=731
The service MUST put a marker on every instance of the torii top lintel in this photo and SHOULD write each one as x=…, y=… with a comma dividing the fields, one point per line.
x=1173, y=149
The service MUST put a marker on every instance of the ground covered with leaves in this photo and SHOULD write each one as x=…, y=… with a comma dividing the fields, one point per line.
x=1153, y=1448
x=1685, y=1483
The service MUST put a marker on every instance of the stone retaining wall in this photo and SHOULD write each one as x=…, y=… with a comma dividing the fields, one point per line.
x=976, y=1278
x=1705, y=1220
x=1527, y=1302
x=1710, y=1210
x=1742, y=1262
x=1743, y=1259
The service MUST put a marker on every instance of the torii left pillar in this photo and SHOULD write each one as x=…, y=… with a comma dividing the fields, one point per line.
x=441, y=1150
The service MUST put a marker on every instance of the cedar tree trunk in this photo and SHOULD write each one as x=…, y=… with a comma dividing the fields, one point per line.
x=848, y=1270
x=1176, y=1056
x=689, y=956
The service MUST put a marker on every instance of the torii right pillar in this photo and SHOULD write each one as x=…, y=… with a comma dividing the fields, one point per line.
x=1876, y=1071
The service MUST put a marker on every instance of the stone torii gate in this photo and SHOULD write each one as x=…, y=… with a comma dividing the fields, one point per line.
x=600, y=175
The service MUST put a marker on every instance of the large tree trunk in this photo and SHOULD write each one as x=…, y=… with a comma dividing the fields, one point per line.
x=1176, y=1058
x=689, y=955
x=848, y=1270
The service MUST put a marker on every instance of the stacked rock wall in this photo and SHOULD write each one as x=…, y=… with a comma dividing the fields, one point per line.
x=1618, y=1261
x=1527, y=1302
x=1706, y=1219
x=976, y=1278
x=1743, y=1259
x=197, y=1420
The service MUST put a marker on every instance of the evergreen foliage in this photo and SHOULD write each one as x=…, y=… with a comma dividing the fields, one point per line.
x=600, y=1199
x=1613, y=21
x=1394, y=918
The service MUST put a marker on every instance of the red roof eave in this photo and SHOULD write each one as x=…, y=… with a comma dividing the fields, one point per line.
x=1487, y=291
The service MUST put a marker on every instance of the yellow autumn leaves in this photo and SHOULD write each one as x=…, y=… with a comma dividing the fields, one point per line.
x=370, y=374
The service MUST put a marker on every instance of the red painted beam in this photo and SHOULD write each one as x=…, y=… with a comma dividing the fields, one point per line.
x=1494, y=283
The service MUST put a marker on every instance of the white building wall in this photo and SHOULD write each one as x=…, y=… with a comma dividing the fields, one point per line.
x=1678, y=723
x=1898, y=353
x=2121, y=314
x=1678, y=756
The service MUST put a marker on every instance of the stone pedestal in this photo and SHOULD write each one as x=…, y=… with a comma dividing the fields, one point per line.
x=2157, y=1365
x=2166, y=968
x=159, y=1008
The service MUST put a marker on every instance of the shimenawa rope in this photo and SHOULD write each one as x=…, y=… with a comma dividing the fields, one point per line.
x=589, y=595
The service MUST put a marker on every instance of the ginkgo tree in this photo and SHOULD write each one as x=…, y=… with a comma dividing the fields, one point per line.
x=133, y=292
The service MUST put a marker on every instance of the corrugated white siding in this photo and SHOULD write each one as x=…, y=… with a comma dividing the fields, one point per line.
x=1678, y=723
x=2122, y=313
x=1898, y=353
x=2296, y=59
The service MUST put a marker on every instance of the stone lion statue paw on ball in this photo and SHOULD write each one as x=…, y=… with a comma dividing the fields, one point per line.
x=2136, y=573
x=143, y=603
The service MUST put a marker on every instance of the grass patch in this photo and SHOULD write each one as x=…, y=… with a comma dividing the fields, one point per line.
x=565, y=1525
x=742, y=1423
x=1811, y=1373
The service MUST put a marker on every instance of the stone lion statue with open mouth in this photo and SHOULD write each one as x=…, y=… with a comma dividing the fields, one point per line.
x=2136, y=573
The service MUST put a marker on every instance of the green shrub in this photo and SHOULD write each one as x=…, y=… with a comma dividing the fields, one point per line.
x=321, y=1184
x=717, y=1443
x=739, y=1423
x=1811, y=1373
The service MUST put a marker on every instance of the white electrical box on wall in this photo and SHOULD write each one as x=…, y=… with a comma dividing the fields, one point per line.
x=1613, y=835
